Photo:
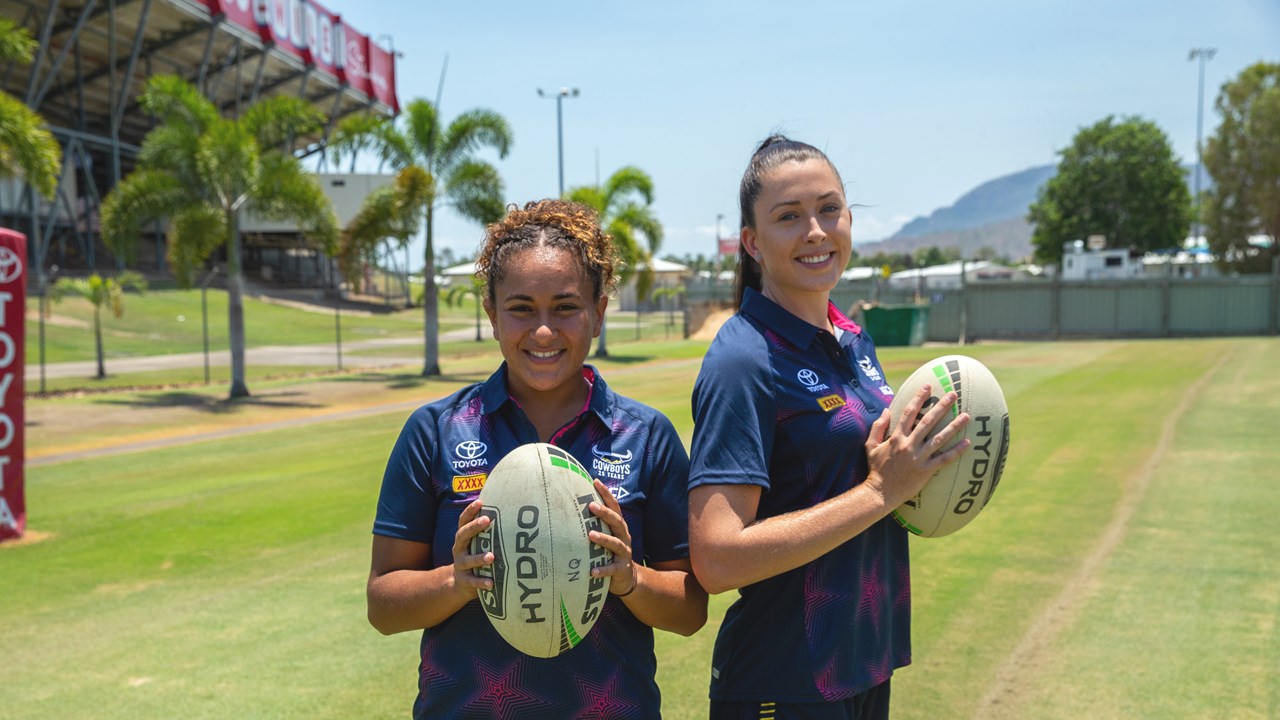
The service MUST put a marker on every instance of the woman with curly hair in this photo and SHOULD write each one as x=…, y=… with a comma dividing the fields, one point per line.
x=548, y=271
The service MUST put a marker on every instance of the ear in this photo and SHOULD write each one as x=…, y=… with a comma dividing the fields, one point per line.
x=492, y=312
x=601, y=305
x=748, y=240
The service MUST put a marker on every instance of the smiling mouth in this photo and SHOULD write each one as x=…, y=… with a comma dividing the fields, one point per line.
x=544, y=354
x=815, y=259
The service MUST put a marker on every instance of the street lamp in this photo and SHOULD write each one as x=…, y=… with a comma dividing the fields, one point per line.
x=204, y=314
x=560, y=96
x=715, y=259
x=1203, y=55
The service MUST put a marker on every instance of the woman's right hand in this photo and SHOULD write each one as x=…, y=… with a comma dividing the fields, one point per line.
x=902, y=461
x=470, y=524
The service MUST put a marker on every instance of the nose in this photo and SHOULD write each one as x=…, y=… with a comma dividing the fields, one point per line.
x=816, y=233
x=543, y=330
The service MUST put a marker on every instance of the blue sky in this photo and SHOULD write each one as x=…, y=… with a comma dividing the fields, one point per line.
x=916, y=103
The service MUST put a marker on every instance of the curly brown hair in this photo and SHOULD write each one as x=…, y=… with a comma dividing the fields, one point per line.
x=552, y=223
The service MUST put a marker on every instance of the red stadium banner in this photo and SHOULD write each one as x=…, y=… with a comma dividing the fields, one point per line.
x=318, y=37
x=13, y=302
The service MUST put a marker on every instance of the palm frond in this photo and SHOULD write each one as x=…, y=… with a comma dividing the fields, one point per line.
x=172, y=148
x=16, y=44
x=144, y=196
x=471, y=131
x=175, y=101
x=228, y=161
x=643, y=220
x=27, y=149
x=587, y=195
x=474, y=188
x=274, y=120
x=628, y=181
x=287, y=192
x=194, y=233
x=422, y=131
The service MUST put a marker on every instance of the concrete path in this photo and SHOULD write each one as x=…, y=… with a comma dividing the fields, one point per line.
x=325, y=355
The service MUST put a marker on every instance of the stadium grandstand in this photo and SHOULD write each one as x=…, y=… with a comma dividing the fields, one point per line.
x=93, y=59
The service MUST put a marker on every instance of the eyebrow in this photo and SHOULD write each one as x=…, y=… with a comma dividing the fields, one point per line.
x=529, y=298
x=823, y=196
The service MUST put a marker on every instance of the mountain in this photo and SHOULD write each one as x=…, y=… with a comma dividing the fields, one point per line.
x=993, y=201
x=992, y=215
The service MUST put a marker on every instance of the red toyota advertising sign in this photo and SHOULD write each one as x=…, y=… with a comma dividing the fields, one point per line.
x=13, y=302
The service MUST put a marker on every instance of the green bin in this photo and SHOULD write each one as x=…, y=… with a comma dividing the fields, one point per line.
x=897, y=325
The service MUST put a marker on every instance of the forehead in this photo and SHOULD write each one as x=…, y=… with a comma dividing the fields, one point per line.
x=800, y=176
x=543, y=270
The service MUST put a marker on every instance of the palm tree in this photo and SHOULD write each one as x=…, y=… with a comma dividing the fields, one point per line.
x=446, y=155
x=27, y=149
x=100, y=292
x=201, y=171
x=625, y=205
x=474, y=289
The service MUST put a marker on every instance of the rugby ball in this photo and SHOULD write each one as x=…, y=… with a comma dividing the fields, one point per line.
x=959, y=491
x=544, y=600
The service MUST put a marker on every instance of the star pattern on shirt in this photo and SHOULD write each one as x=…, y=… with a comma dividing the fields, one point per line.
x=499, y=692
x=602, y=701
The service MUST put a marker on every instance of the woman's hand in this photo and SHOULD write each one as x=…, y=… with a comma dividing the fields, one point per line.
x=470, y=524
x=902, y=462
x=622, y=569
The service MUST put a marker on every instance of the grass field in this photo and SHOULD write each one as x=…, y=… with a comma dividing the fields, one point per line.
x=1129, y=565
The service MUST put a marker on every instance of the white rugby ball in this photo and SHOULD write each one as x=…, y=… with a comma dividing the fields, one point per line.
x=957, y=492
x=544, y=600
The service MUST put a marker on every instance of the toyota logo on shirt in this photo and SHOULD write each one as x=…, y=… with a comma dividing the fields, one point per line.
x=470, y=453
x=470, y=449
x=811, y=381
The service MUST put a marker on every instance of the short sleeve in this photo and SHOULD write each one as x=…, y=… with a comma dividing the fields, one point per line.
x=734, y=410
x=666, y=519
x=407, y=502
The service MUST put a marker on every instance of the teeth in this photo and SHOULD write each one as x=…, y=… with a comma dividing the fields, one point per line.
x=814, y=259
x=544, y=355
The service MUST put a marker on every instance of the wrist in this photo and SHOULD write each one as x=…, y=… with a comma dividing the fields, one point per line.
x=635, y=583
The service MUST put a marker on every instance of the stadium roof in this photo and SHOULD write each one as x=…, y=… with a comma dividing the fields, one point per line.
x=94, y=57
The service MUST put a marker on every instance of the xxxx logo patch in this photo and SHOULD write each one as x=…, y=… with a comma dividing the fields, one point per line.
x=830, y=402
x=469, y=483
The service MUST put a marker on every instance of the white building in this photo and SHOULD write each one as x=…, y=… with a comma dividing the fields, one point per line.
x=947, y=277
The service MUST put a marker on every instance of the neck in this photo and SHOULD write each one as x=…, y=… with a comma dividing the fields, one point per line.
x=809, y=307
x=550, y=410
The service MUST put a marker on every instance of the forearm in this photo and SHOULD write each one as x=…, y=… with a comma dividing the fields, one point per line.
x=403, y=600
x=668, y=598
x=728, y=555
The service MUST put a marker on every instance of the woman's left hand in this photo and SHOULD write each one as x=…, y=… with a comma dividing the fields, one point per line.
x=622, y=569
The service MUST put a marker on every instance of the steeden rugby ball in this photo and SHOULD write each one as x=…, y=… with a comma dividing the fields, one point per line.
x=544, y=600
x=959, y=491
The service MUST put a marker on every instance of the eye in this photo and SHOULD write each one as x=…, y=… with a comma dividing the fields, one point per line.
x=520, y=309
x=831, y=207
x=567, y=307
x=787, y=216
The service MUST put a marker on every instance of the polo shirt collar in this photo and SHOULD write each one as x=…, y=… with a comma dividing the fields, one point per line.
x=494, y=394
x=793, y=329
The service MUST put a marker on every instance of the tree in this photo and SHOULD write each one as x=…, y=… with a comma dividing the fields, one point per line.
x=1118, y=179
x=27, y=149
x=101, y=293
x=446, y=156
x=625, y=206
x=200, y=171
x=1243, y=157
x=474, y=289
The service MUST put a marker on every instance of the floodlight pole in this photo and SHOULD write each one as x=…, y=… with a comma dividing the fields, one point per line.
x=1203, y=55
x=559, y=97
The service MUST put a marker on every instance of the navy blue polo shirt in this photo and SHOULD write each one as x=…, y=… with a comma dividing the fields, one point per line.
x=438, y=465
x=787, y=406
